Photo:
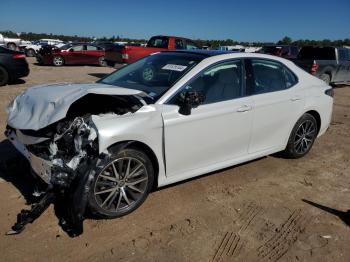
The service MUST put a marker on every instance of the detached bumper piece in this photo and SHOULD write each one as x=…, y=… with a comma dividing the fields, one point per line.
x=29, y=216
x=69, y=202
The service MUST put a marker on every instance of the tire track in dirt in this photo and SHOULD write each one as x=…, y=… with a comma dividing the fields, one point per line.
x=278, y=245
x=232, y=243
x=229, y=247
x=248, y=216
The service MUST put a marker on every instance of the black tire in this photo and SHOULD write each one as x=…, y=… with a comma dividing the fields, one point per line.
x=102, y=61
x=302, y=137
x=58, y=61
x=4, y=76
x=326, y=78
x=30, y=53
x=113, y=204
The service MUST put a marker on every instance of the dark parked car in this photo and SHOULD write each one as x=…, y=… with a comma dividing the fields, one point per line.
x=72, y=54
x=286, y=51
x=13, y=65
x=331, y=64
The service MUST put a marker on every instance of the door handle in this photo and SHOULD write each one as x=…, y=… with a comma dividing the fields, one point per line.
x=244, y=108
x=296, y=98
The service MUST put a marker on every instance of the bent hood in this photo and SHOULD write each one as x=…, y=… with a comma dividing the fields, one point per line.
x=40, y=106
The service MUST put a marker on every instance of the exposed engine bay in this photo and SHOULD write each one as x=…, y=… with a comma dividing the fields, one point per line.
x=62, y=154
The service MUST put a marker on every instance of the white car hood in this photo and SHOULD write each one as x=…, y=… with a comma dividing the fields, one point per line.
x=40, y=106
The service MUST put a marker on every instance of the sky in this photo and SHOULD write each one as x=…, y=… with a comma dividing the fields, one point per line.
x=248, y=20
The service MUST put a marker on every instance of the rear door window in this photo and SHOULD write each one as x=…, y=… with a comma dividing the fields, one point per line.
x=269, y=76
x=91, y=48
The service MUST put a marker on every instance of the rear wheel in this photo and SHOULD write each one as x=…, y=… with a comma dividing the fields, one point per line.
x=102, y=61
x=122, y=184
x=326, y=78
x=58, y=61
x=302, y=137
x=4, y=76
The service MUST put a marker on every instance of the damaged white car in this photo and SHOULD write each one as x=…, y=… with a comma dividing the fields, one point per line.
x=165, y=118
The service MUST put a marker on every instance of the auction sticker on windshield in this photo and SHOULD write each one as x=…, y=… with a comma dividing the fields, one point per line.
x=173, y=67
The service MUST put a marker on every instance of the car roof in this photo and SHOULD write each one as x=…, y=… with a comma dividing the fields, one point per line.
x=206, y=53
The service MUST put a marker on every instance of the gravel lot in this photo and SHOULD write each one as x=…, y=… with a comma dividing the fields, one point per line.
x=251, y=212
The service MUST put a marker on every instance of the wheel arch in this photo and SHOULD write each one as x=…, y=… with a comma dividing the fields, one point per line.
x=11, y=43
x=328, y=71
x=317, y=117
x=142, y=146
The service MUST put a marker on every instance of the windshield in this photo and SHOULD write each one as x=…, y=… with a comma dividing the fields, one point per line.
x=66, y=46
x=154, y=74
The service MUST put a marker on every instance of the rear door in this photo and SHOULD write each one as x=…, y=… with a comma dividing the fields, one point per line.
x=277, y=103
x=92, y=54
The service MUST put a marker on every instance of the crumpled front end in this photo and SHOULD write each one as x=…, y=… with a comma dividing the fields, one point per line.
x=55, y=159
x=62, y=146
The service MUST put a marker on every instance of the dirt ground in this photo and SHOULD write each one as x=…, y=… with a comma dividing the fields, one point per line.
x=266, y=210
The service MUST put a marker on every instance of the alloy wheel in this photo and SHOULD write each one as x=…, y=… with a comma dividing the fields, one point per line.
x=304, y=136
x=58, y=61
x=121, y=185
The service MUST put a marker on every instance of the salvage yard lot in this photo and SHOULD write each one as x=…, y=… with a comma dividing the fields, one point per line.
x=251, y=212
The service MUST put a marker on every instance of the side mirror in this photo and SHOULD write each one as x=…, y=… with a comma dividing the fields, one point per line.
x=189, y=100
x=71, y=50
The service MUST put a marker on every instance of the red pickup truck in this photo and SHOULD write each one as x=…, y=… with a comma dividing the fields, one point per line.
x=130, y=53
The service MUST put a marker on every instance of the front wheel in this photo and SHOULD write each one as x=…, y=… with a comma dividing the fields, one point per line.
x=302, y=137
x=30, y=53
x=11, y=46
x=58, y=61
x=122, y=184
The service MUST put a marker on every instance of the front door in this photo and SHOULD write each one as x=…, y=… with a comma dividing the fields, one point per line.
x=217, y=130
x=75, y=55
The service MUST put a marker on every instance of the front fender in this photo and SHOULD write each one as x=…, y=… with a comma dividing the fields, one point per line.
x=145, y=126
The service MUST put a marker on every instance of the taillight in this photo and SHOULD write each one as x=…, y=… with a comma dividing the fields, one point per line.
x=329, y=92
x=18, y=56
x=313, y=68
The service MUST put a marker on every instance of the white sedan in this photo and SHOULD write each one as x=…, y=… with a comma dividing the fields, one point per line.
x=166, y=118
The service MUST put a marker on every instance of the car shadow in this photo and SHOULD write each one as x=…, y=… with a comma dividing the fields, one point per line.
x=155, y=189
x=16, y=82
x=14, y=168
x=98, y=75
x=343, y=85
x=344, y=216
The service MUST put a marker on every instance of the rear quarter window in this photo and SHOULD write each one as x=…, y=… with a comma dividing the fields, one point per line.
x=317, y=53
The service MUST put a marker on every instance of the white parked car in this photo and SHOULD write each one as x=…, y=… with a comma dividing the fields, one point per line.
x=13, y=43
x=166, y=118
x=32, y=49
